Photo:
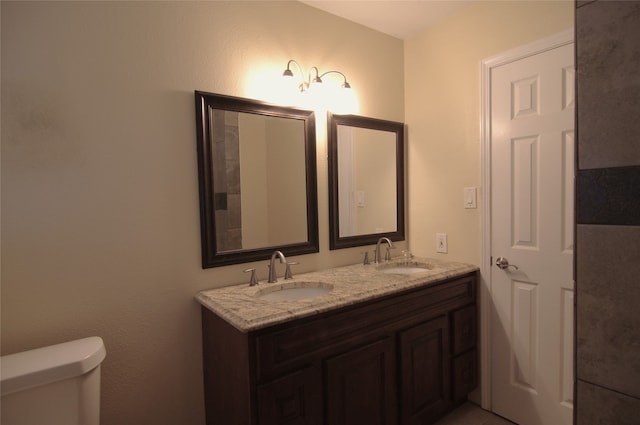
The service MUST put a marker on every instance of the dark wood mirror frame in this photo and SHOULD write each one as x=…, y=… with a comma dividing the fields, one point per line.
x=333, y=121
x=211, y=256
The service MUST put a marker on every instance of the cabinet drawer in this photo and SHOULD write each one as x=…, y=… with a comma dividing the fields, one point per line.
x=465, y=374
x=464, y=329
x=292, y=346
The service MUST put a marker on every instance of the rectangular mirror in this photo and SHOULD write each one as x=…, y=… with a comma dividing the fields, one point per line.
x=257, y=178
x=366, y=180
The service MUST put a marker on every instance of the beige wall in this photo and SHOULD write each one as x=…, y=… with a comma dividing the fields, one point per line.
x=442, y=103
x=100, y=225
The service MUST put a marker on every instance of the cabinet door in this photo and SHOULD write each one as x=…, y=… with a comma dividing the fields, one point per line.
x=425, y=372
x=361, y=385
x=290, y=400
x=465, y=374
x=464, y=329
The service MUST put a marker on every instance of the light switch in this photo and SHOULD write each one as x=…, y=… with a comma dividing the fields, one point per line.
x=442, y=244
x=470, y=197
x=360, y=198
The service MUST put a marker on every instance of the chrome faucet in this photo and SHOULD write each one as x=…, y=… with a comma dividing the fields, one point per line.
x=378, y=260
x=273, y=277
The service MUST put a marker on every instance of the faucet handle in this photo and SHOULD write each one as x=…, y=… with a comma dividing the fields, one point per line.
x=407, y=255
x=253, y=280
x=287, y=271
x=366, y=261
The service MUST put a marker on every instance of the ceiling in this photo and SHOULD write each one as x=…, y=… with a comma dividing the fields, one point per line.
x=399, y=18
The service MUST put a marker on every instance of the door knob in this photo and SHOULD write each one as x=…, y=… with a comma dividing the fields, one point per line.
x=503, y=263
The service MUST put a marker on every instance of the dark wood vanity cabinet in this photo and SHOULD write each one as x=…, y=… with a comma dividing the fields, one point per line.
x=402, y=359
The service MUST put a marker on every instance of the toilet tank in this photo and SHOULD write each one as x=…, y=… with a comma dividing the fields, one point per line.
x=54, y=385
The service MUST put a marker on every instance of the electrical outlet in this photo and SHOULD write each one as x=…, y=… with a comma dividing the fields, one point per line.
x=441, y=243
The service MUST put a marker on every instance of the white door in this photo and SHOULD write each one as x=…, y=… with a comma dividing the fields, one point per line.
x=532, y=164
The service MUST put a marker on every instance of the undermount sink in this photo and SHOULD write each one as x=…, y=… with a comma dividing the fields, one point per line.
x=294, y=291
x=409, y=267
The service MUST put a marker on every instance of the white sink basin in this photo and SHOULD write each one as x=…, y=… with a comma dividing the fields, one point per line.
x=410, y=267
x=294, y=291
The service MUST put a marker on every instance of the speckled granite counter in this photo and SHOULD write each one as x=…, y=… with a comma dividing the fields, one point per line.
x=241, y=307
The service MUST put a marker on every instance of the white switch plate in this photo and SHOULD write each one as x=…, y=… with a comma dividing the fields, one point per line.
x=360, y=198
x=441, y=243
x=470, y=197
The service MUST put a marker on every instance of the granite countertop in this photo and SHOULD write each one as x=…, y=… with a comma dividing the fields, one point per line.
x=240, y=306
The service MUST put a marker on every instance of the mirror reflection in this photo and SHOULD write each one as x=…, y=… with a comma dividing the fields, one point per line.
x=259, y=183
x=366, y=167
x=367, y=181
x=257, y=179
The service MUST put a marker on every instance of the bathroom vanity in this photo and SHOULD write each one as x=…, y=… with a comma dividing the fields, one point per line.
x=380, y=345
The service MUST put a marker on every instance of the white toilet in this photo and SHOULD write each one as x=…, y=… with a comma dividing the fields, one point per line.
x=55, y=385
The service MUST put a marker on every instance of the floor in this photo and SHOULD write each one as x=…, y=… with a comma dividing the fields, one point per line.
x=472, y=414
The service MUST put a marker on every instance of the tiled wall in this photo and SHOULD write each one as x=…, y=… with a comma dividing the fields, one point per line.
x=608, y=213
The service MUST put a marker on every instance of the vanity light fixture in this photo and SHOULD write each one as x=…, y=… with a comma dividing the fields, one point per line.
x=310, y=82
